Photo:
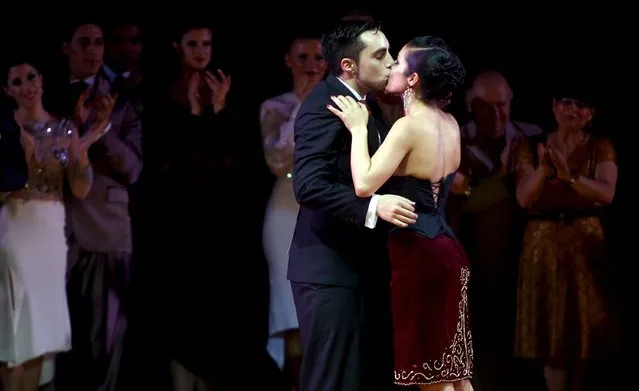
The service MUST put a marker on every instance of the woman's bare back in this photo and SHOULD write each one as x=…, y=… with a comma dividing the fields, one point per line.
x=435, y=152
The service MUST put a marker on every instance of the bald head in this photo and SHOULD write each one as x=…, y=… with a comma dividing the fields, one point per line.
x=489, y=86
x=489, y=101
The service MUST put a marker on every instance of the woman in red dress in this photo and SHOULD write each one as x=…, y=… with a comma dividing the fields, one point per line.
x=430, y=271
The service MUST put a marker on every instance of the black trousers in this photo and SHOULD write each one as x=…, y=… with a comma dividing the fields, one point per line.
x=97, y=293
x=346, y=336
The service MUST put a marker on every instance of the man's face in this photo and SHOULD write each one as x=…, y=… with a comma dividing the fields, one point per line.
x=375, y=61
x=125, y=47
x=85, y=51
x=491, y=109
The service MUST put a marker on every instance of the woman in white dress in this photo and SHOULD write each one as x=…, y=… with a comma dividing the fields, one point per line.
x=34, y=317
x=277, y=115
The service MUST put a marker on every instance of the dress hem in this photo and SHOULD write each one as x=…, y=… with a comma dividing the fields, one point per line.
x=413, y=383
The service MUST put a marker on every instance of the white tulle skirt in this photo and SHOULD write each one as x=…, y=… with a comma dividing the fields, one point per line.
x=279, y=224
x=34, y=315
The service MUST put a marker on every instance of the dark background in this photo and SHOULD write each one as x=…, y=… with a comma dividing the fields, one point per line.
x=533, y=47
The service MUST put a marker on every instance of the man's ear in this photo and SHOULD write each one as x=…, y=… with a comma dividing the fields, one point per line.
x=348, y=65
x=66, y=48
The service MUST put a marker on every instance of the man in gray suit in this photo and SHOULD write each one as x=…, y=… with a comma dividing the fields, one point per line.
x=489, y=221
x=99, y=229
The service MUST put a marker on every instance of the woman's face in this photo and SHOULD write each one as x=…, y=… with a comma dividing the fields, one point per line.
x=195, y=48
x=306, y=59
x=398, y=81
x=571, y=113
x=24, y=85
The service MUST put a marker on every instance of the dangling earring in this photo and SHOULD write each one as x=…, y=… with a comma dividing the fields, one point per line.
x=408, y=97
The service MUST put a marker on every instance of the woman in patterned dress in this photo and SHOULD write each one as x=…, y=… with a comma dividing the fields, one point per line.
x=34, y=317
x=564, y=181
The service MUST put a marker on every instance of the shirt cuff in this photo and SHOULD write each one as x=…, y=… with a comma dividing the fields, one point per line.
x=371, y=214
x=106, y=129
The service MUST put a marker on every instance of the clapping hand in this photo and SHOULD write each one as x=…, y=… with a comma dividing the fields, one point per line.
x=559, y=162
x=92, y=135
x=27, y=141
x=193, y=94
x=544, y=160
x=81, y=110
x=220, y=89
x=104, y=106
x=354, y=114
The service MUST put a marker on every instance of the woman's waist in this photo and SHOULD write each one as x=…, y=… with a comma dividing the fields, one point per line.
x=37, y=214
x=563, y=214
x=26, y=196
x=430, y=225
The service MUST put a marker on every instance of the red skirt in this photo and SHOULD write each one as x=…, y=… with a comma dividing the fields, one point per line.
x=430, y=309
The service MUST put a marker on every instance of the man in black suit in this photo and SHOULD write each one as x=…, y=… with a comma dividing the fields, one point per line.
x=13, y=166
x=338, y=263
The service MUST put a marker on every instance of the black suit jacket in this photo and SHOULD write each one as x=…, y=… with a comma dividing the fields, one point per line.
x=331, y=245
x=13, y=165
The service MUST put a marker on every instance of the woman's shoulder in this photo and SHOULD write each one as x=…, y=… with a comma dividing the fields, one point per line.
x=430, y=124
x=603, y=148
x=285, y=99
x=450, y=122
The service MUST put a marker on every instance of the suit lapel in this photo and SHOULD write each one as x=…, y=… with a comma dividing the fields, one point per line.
x=374, y=129
x=339, y=87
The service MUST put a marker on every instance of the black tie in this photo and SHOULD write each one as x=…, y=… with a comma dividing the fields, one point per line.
x=371, y=119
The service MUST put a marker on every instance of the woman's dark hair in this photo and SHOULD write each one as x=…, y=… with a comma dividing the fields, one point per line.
x=580, y=92
x=183, y=28
x=343, y=41
x=440, y=70
x=18, y=59
x=299, y=35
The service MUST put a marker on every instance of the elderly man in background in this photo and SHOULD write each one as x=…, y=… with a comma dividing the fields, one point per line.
x=486, y=217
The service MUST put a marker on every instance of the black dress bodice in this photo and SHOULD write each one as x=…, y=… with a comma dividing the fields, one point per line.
x=430, y=204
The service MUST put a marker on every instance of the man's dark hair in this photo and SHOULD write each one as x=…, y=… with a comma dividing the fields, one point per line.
x=110, y=27
x=358, y=14
x=69, y=29
x=344, y=41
